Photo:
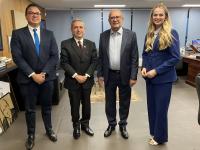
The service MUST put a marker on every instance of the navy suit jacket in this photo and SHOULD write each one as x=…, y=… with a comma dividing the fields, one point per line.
x=25, y=56
x=81, y=61
x=163, y=61
x=128, y=58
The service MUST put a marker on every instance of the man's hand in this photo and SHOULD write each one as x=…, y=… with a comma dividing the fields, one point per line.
x=144, y=72
x=132, y=82
x=101, y=81
x=38, y=78
x=80, y=79
x=151, y=73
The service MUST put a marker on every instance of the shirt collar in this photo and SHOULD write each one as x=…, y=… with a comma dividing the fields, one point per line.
x=31, y=28
x=78, y=40
x=118, y=32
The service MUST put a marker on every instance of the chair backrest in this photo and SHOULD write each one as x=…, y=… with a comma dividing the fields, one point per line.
x=198, y=92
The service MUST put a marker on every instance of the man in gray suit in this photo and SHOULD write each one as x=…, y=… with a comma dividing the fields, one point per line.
x=78, y=59
x=117, y=67
x=35, y=52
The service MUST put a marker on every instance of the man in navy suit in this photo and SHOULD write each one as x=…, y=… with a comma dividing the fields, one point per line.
x=118, y=67
x=35, y=52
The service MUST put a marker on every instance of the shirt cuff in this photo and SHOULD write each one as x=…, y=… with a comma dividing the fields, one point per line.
x=74, y=75
x=30, y=75
x=87, y=75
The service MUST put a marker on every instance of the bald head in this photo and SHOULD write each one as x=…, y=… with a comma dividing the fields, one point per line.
x=115, y=19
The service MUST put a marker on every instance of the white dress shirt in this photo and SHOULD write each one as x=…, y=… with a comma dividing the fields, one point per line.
x=115, y=49
x=32, y=34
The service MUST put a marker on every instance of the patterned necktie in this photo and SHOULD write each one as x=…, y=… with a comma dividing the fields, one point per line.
x=80, y=45
x=37, y=42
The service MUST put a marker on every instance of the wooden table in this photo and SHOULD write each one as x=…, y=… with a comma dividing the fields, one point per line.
x=193, y=69
x=9, y=67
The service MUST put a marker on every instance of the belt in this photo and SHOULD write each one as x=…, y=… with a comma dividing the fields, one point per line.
x=114, y=71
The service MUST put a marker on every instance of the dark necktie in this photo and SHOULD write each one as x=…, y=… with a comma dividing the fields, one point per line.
x=80, y=45
x=37, y=42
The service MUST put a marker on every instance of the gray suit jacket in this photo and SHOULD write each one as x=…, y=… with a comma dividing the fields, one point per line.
x=75, y=60
x=26, y=58
x=129, y=56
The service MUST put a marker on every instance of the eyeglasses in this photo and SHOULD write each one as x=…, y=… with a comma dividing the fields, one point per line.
x=115, y=17
x=34, y=13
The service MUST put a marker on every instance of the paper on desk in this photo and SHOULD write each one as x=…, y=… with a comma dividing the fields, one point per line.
x=4, y=88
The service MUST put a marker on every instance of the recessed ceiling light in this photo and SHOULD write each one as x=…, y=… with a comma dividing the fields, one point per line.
x=191, y=5
x=109, y=6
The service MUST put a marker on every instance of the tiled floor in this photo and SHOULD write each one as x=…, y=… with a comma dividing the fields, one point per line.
x=184, y=132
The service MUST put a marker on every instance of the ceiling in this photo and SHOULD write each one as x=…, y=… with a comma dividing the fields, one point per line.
x=68, y=4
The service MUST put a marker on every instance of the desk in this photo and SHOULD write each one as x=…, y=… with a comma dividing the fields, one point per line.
x=8, y=104
x=5, y=76
x=193, y=69
x=9, y=67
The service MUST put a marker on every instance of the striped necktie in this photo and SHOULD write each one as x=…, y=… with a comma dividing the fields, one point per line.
x=80, y=45
x=37, y=42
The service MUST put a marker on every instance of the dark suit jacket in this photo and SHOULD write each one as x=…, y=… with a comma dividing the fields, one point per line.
x=26, y=58
x=128, y=59
x=81, y=61
x=163, y=61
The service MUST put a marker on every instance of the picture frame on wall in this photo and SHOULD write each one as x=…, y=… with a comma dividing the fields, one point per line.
x=1, y=41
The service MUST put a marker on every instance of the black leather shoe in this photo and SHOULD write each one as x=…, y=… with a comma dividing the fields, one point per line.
x=51, y=135
x=109, y=131
x=76, y=133
x=88, y=131
x=124, y=132
x=30, y=142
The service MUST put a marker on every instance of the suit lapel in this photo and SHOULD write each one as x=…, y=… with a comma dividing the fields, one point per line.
x=76, y=48
x=85, y=49
x=107, y=40
x=30, y=40
x=124, y=39
x=156, y=43
x=42, y=39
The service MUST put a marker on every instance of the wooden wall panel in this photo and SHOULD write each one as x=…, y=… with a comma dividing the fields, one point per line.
x=6, y=20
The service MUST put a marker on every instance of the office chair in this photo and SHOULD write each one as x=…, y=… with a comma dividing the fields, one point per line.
x=198, y=92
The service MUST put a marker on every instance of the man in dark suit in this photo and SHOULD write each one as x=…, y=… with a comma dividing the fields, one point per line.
x=78, y=59
x=35, y=52
x=117, y=67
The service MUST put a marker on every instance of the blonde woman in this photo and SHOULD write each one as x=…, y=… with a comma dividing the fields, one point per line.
x=160, y=55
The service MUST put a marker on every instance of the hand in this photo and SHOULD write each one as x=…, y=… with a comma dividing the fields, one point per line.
x=132, y=82
x=101, y=81
x=144, y=72
x=80, y=79
x=151, y=73
x=38, y=78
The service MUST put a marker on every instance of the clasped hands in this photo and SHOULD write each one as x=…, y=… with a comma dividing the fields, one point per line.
x=39, y=78
x=80, y=78
x=149, y=74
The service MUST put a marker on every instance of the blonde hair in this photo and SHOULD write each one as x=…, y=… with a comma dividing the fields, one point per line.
x=165, y=36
